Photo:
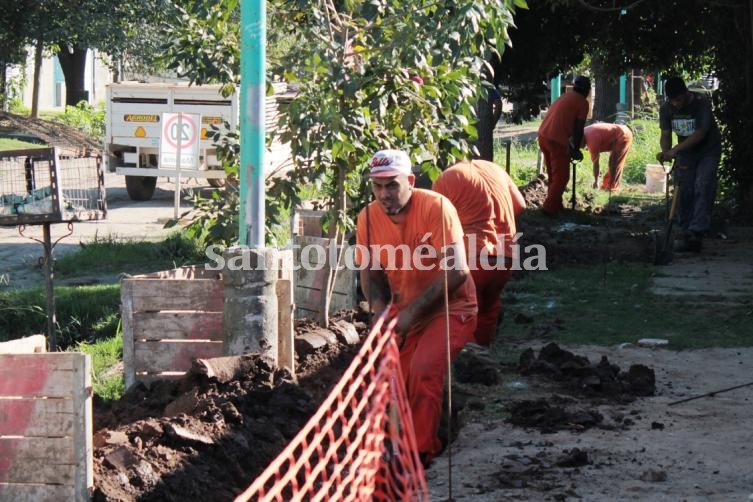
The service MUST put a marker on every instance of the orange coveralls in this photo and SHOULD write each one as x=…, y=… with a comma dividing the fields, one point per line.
x=487, y=202
x=613, y=138
x=423, y=357
x=555, y=132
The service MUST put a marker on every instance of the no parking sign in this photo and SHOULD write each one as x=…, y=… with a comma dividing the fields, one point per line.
x=180, y=134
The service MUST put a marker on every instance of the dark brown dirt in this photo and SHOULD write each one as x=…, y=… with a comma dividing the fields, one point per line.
x=52, y=133
x=200, y=439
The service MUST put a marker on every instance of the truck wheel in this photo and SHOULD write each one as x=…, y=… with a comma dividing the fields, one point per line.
x=140, y=187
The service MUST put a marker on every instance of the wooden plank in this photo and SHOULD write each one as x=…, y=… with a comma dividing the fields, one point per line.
x=148, y=378
x=285, y=326
x=177, y=325
x=38, y=375
x=83, y=442
x=126, y=320
x=37, y=460
x=178, y=294
x=191, y=272
x=154, y=357
x=27, y=345
x=285, y=265
x=310, y=310
x=308, y=290
x=37, y=417
x=37, y=493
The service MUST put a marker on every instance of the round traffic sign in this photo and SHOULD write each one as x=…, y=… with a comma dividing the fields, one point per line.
x=187, y=133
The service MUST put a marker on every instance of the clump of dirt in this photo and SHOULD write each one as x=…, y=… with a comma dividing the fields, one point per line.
x=205, y=437
x=604, y=380
x=548, y=418
x=534, y=192
x=474, y=365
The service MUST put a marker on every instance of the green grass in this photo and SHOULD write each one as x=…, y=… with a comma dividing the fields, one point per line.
x=15, y=144
x=106, y=375
x=85, y=313
x=110, y=255
x=609, y=304
x=523, y=156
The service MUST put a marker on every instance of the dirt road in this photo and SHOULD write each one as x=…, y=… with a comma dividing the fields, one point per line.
x=644, y=449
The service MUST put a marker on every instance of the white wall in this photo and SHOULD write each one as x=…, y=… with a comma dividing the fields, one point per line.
x=52, y=83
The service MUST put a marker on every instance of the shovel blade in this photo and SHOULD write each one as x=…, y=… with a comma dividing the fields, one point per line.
x=662, y=251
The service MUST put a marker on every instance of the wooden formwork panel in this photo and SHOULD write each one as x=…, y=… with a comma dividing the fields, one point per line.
x=45, y=427
x=170, y=318
x=33, y=344
x=311, y=275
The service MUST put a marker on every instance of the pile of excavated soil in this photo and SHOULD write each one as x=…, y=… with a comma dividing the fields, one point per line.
x=52, y=133
x=201, y=438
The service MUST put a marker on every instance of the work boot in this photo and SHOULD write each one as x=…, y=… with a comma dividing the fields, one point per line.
x=690, y=243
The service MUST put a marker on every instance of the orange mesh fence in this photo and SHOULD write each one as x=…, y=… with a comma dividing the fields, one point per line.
x=359, y=445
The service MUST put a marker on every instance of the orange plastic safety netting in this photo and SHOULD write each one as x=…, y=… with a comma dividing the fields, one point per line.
x=359, y=445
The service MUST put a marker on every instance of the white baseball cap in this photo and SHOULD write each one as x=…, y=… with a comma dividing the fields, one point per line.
x=388, y=163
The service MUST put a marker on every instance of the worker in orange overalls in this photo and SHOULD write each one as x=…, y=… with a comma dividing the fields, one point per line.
x=409, y=241
x=613, y=138
x=487, y=202
x=560, y=138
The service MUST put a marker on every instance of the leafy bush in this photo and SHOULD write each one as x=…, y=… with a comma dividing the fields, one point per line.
x=85, y=118
x=643, y=151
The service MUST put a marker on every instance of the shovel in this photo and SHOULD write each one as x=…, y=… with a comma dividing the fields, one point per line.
x=663, y=251
x=573, y=163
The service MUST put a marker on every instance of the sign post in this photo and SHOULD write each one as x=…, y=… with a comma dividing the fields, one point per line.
x=179, y=145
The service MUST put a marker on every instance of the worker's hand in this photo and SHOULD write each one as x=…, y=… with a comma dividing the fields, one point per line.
x=405, y=320
x=596, y=184
x=401, y=316
x=576, y=155
x=660, y=157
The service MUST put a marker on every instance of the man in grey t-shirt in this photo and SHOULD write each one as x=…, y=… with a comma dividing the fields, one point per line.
x=697, y=153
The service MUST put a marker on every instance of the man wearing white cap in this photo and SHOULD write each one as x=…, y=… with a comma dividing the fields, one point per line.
x=414, y=237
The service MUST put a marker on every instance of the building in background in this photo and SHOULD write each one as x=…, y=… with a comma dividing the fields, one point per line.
x=52, y=82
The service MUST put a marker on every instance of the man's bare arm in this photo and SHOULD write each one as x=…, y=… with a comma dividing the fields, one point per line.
x=375, y=288
x=433, y=295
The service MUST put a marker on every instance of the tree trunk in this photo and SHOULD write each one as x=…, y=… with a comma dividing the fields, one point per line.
x=606, y=96
x=4, y=86
x=73, y=62
x=328, y=285
x=37, y=77
x=485, y=127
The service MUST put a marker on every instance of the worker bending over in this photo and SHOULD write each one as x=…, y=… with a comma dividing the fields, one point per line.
x=613, y=138
x=487, y=202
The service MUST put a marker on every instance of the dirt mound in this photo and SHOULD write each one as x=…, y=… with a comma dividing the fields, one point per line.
x=205, y=437
x=52, y=133
x=605, y=380
x=549, y=418
x=534, y=192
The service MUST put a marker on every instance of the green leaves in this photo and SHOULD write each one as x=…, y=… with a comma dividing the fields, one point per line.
x=356, y=65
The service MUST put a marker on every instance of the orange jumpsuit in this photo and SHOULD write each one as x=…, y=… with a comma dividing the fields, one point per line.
x=394, y=247
x=555, y=132
x=487, y=202
x=613, y=138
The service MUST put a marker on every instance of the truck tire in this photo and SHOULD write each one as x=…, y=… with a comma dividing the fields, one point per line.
x=140, y=187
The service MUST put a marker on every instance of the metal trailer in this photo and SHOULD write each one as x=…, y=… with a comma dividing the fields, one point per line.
x=133, y=130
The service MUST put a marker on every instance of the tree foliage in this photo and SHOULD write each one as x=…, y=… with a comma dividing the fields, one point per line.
x=70, y=28
x=684, y=37
x=370, y=75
